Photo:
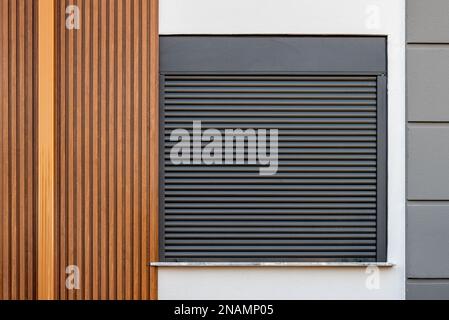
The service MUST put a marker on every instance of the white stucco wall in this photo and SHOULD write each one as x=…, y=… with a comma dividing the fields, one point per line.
x=303, y=17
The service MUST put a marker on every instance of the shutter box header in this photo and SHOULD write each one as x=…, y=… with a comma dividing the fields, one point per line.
x=273, y=54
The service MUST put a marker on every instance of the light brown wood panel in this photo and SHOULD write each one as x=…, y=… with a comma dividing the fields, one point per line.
x=18, y=158
x=106, y=149
x=46, y=152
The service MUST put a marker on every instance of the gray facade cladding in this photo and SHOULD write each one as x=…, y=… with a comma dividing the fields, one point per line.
x=427, y=252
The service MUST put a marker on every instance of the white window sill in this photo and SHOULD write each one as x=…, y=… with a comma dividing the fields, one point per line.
x=274, y=264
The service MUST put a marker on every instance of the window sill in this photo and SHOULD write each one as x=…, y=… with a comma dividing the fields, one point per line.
x=274, y=264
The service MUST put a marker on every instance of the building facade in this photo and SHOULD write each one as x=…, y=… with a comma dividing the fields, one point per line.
x=117, y=118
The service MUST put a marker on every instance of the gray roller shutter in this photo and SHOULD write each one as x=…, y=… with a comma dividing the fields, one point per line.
x=327, y=201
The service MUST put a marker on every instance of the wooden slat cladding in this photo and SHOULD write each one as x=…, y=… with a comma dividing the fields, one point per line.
x=103, y=96
x=18, y=158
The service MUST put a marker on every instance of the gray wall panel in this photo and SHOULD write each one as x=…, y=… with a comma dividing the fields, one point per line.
x=428, y=162
x=427, y=149
x=428, y=241
x=428, y=289
x=427, y=21
x=427, y=83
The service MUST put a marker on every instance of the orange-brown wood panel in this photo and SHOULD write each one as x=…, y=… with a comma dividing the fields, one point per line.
x=46, y=152
x=106, y=145
x=18, y=147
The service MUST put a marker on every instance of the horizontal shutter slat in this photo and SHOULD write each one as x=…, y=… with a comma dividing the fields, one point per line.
x=274, y=253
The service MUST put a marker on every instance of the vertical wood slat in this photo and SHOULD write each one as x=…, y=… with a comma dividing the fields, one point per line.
x=60, y=220
x=153, y=234
x=106, y=91
x=103, y=47
x=111, y=122
x=127, y=147
x=95, y=142
x=78, y=147
x=119, y=154
x=86, y=147
x=18, y=152
x=21, y=146
x=70, y=112
x=145, y=125
x=46, y=151
x=14, y=210
x=136, y=183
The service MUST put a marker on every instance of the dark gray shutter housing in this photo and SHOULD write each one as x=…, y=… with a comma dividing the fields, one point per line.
x=327, y=98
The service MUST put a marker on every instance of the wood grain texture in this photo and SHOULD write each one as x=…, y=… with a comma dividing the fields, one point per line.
x=46, y=154
x=18, y=147
x=106, y=142
x=153, y=224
